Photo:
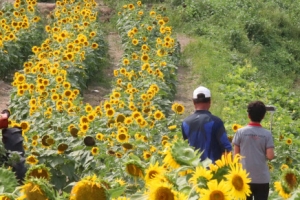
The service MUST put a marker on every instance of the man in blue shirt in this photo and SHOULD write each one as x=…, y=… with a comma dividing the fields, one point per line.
x=203, y=130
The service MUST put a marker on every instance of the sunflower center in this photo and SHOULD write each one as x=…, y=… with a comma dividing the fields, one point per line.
x=238, y=182
x=216, y=195
x=152, y=174
x=291, y=180
x=163, y=193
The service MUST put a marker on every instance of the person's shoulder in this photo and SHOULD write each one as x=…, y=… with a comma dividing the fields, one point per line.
x=216, y=118
x=189, y=117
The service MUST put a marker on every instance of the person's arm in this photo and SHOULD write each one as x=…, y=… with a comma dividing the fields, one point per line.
x=236, y=150
x=182, y=131
x=270, y=153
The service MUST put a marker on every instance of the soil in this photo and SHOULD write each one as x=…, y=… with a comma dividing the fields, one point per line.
x=96, y=93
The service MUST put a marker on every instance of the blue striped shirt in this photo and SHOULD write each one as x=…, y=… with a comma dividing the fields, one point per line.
x=206, y=132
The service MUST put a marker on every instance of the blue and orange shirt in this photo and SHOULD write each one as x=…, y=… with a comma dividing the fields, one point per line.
x=206, y=132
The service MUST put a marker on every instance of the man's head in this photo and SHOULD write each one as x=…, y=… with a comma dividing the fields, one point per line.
x=256, y=111
x=201, y=95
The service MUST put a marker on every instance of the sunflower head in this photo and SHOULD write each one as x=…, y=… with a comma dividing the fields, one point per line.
x=290, y=179
x=39, y=171
x=183, y=154
x=34, y=188
x=89, y=188
x=134, y=168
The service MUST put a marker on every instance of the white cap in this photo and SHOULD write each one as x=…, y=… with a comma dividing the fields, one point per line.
x=200, y=90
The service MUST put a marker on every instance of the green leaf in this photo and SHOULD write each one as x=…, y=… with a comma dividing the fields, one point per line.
x=116, y=192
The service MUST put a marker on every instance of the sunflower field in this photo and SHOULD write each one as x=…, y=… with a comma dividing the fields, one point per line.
x=130, y=145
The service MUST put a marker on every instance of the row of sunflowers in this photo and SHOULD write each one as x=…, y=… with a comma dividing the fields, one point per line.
x=17, y=20
x=130, y=145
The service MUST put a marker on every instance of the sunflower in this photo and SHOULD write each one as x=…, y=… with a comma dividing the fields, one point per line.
x=235, y=127
x=216, y=191
x=62, y=148
x=128, y=120
x=161, y=190
x=100, y=136
x=122, y=137
x=135, y=42
x=172, y=127
x=25, y=126
x=178, y=108
x=38, y=171
x=32, y=160
x=226, y=160
x=289, y=141
x=127, y=146
x=134, y=169
x=278, y=187
x=145, y=58
x=238, y=180
x=89, y=188
x=120, y=118
x=146, y=155
x=153, y=171
x=6, y=197
x=158, y=115
x=110, y=112
x=289, y=179
x=283, y=167
x=169, y=159
x=36, y=189
x=200, y=178
x=95, y=151
x=94, y=45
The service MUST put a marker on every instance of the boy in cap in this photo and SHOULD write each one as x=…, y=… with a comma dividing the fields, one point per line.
x=203, y=130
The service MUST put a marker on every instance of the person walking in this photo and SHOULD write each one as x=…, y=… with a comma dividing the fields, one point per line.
x=255, y=144
x=203, y=130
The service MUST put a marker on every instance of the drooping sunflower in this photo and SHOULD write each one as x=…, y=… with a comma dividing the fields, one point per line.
x=38, y=171
x=238, y=180
x=36, y=189
x=127, y=146
x=217, y=191
x=61, y=148
x=89, y=188
x=133, y=168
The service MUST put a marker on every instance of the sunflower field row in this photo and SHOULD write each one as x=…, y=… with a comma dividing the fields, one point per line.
x=239, y=88
x=129, y=146
x=17, y=20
